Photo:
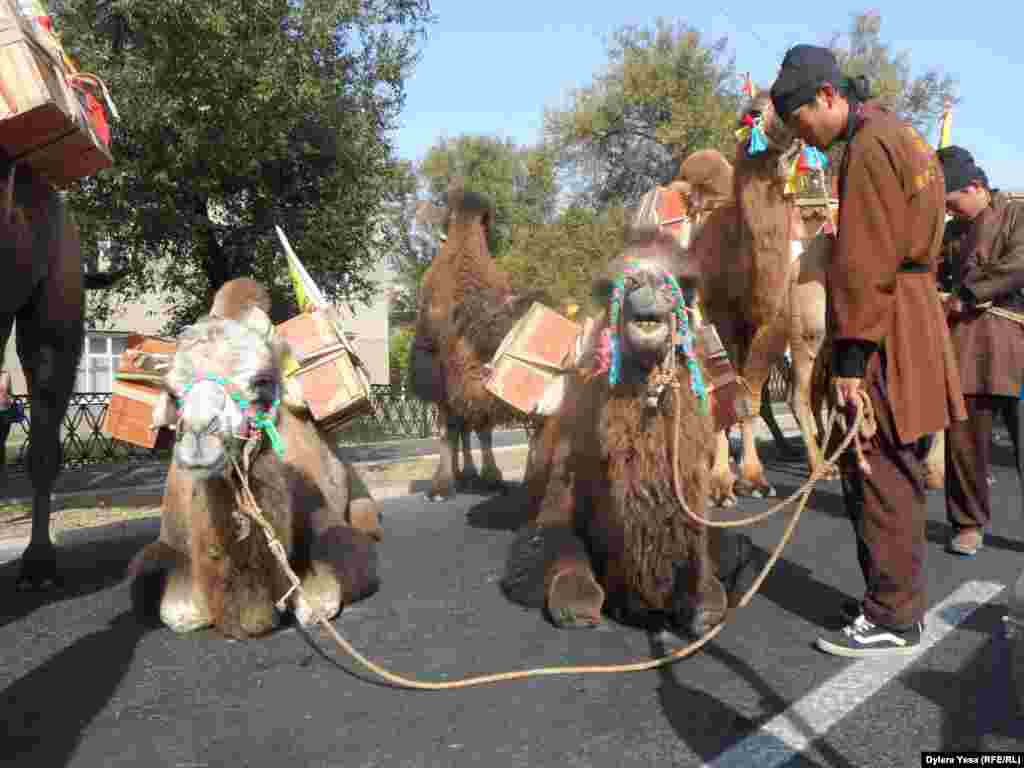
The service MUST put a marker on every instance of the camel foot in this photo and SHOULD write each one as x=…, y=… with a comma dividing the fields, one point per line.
x=722, y=493
x=709, y=612
x=575, y=599
x=38, y=569
x=757, y=489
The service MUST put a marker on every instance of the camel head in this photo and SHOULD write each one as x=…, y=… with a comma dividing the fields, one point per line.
x=462, y=206
x=643, y=291
x=226, y=385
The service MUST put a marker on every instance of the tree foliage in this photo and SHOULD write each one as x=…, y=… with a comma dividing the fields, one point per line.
x=917, y=99
x=666, y=94
x=566, y=254
x=237, y=115
x=519, y=181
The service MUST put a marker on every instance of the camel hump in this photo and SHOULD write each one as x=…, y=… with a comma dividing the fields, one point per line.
x=238, y=296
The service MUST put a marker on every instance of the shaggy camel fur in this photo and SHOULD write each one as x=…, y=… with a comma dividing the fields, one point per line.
x=43, y=289
x=606, y=531
x=211, y=564
x=467, y=306
x=763, y=287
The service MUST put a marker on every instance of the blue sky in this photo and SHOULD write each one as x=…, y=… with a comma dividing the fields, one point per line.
x=492, y=67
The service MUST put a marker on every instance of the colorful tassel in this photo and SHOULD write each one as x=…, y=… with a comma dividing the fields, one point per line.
x=758, y=139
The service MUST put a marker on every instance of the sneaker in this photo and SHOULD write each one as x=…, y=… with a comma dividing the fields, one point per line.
x=862, y=638
x=966, y=541
x=850, y=610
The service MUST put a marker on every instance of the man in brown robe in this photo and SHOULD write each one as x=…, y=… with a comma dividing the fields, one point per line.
x=889, y=333
x=987, y=268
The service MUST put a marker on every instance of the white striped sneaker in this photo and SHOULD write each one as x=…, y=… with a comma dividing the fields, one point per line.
x=862, y=638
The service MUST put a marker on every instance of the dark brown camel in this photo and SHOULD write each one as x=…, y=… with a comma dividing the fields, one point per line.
x=43, y=288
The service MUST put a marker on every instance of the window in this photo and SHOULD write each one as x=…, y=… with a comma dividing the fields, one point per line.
x=100, y=359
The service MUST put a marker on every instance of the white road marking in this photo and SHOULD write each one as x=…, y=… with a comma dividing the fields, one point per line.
x=789, y=733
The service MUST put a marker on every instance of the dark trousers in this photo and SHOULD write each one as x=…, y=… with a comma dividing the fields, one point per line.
x=887, y=508
x=969, y=457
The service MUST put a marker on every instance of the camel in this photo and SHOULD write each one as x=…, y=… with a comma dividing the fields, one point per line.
x=606, y=531
x=467, y=306
x=211, y=565
x=44, y=290
x=763, y=269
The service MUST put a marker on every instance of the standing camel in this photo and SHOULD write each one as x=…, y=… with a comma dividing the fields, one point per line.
x=44, y=291
x=467, y=306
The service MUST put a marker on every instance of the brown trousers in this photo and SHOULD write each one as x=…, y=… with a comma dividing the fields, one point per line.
x=969, y=454
x=887, y=508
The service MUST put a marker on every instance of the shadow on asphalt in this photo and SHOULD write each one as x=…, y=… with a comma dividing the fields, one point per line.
x=977, y=702
x=699, y=720
x=46, y=710
x=503, y=512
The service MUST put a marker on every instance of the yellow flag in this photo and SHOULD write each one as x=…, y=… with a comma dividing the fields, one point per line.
x=300, y=290
x=946, y=127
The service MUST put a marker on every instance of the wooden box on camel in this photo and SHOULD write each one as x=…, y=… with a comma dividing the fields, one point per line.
x=334, y=384
x=538, y=349
x=135, y=393
x=727, y=398
x=44, y=121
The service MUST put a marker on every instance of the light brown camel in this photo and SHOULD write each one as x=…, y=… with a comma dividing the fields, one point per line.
x=606, y=530
x=211, y=564
x=467, y=306
x=763, y=269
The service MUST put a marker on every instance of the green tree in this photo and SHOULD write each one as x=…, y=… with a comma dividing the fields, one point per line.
x=399, y=353
x=566, y=254
x=237, y=115
x=918, y=99
x=519, y=181
x=666, y=94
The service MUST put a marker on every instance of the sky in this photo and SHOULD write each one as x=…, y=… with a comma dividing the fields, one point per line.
x=492, y=67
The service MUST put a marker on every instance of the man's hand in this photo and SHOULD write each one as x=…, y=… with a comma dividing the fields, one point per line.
x=846, y=391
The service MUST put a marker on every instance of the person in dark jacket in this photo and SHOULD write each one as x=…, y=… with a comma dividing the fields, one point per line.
x=890, y=338
x=986, y=270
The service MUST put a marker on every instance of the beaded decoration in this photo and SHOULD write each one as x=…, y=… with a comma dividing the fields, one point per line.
x=264, y=421
x=609, y=351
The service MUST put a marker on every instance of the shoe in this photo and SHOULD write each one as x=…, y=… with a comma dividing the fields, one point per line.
x=966, y=541
x=850, y=610
x=861, y=639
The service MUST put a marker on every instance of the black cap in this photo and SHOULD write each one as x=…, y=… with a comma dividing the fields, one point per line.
x=805, y=68
x=959, y=168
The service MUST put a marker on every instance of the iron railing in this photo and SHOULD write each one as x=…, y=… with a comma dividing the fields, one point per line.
x=396, y=415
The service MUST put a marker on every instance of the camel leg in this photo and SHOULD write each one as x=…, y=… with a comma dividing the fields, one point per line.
x=767, y=347
x=162, y=577
x=800, y=402
x=935, y=463
x=467, y=477
x=722, y=478
x=49, y=347
x=442, y=486
x=343, y=571
x=490, y=475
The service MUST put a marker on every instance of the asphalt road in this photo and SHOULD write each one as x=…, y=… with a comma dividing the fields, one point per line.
x=83, y=682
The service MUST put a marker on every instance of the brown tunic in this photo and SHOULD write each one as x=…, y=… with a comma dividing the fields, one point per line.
x=882, y=290
x=990, y=349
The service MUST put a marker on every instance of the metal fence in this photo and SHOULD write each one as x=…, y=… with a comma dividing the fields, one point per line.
x=396, y=415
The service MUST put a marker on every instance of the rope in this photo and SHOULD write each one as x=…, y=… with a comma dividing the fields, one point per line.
x=248, y=504
x=863, y=427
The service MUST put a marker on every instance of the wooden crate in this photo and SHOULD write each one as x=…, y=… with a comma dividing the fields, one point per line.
x=130, y=415
x=335, y=389
x=43, y=124
x=532, y=355
x=664, y=207
x=727, y=397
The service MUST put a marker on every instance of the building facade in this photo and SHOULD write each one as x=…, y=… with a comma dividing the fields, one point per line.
x=367, y=326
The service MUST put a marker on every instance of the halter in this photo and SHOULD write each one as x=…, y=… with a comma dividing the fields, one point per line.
x=262, y=421
x=610, y=350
